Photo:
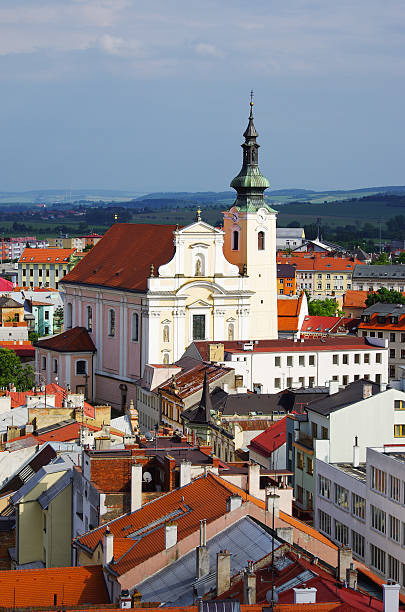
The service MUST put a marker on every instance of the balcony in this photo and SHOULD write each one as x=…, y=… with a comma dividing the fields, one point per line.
x=305, y=439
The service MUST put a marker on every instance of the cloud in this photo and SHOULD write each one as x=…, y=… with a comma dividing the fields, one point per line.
x=207, y=50
x=115, y=45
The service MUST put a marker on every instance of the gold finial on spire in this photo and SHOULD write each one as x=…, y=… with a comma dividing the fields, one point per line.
x=198, y=214
x=251, y=97
x=115, y=217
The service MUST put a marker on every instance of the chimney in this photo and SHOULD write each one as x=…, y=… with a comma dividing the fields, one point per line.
x=170, y=535
x=367, y=390
x=333, y=387
x=234, y=501
x=125, y=600
x=223, y=571
x=254, y=479
x=185, y=473
x=304, y=596
x=136, y=486
x=108, y=546
x=249, y=584
x=272, y=503
x=391, y=596
x=345, y=560
x=203, y=556
x=351, y=577
x=356, y=453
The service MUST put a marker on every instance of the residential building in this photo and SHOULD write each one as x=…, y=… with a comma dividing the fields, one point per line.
x=291, y=313
x=273, y=365
x=362, y=411
x=371, y=278
x=320, y=326
x=269, y=447
x=11, y=311
x=360, y=503
x=13, y=327
x=289, y=237
x=286, y=284
x=12, y=248
x=386, y=322
x=79, y=243
x=354, y=302
x=319, y=245
x=321, y=274
x=44, y=267
x=197, y=282
x=148, y=397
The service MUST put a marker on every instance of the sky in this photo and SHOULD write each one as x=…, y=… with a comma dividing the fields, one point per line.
x=154, y=95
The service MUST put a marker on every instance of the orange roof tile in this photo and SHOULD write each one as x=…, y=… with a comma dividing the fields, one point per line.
x=51, y=255
x=388, y=326
x=355, y=299
x=38, y=587
x=318, y=261
x=192, y=380
x=73, y=340
x=123, y=256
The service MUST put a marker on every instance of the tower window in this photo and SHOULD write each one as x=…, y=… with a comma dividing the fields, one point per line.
x=89, y=318
x=260, y=241
x=111, y=322
x=135, y=327
x=235, y=240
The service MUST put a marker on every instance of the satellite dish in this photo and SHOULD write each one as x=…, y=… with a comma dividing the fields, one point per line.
x=147, y=477
x=269, y=595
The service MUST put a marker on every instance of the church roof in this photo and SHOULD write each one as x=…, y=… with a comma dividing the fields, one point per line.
x=123, y=257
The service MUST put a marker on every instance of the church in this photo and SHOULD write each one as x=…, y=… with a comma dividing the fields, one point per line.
x=145, y=292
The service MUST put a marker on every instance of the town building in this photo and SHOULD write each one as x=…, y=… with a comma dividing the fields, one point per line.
x=289, y=238
x=360, y=503
x=161, y=287
x=44, y=267
x=321, y=274
x=79, y=243
x=354, y=302
x=273, y=365
x=363, y=411
x=13, y=326
x=291, y=313
x=286, y=282
x=371, y=278
x=320, y=326
x=386, y=322
x=12, y=248
x=269, y=447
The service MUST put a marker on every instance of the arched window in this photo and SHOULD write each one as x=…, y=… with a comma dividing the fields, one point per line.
x=166, y=358
x=135, y=327
x=111, y=322
x=260, y=241
x=69, y=315
x=43, y=363
x=166, y=333
x=89, y=318
x=231, y=331
x=235, y=240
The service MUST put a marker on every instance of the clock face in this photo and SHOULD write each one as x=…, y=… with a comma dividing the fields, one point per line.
x=234, y=217
x=261, y=215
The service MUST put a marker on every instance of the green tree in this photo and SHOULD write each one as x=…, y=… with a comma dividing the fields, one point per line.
x=32, y=336
x=324, y=308
x=382, y=260
x=13, y=372
x=386, y=296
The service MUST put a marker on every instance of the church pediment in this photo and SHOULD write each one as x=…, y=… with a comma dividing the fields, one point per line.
x=200, y=304
x=199, y=227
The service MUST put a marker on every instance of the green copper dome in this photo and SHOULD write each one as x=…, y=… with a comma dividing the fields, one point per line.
x=250, y=177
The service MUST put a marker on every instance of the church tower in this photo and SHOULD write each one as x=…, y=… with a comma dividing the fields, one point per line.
x=250, y=238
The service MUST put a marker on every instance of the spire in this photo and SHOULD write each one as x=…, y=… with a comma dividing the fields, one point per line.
x=250, y=183
x=203, y=412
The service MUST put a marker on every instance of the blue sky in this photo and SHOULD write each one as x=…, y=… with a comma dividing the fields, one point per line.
x=151, y=96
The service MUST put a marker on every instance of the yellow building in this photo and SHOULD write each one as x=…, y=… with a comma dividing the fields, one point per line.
x=10, y=310
x=44, y=267
x=44, y=518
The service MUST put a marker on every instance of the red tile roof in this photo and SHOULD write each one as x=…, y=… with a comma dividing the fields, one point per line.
x=38, y=587
x=51, y=255
x=387, y=326
x=318, y=261
x=271, y=439
x=19, y=398
x=75, y=340
x=331, y=343
x=332, y=325
x=355, y=299
x=122, y=258
x=65, y=433
x=288, y=311
x=192, y=380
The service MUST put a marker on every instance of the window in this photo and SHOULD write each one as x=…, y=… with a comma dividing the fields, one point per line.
x=235, y=240
x=357, y=358
x=324, y=433
x=81, y=367
x=378, y=480
x=380, y=335
x=358, y=506
x=372, y=334
x=399, y=405
x=289, y=383
x=378, y=357
x=300, y=494
x=312, y=360
x=358, y=542
x=341, y=497
x=377, y=558
x=402, y=337
x=395, y=488
x=356, y=377
x=335, y=359
x=345, y=380
x=312, y=381
x=345, y=359
x=277, y=362
x=300, y=460
x=341, y=533
x=378, y=518
x=43, y=363
x=324, y=486
x=309, y=500
x=314, y=430
x=402, y=354
x=393, y=568
x=335, y=377
x=277, y=383
x=366, y=357
x=399, y=431
x=310, y=466
x=378, y=378
x=231, y=332
x=289, y=360
x=46, y=315
x=392, y=353
x=166, y=358
x=69, y=315
x=238, y=380
x=301, y=360
x=199, y=327
x=392, y=337
x=391, y=370
x=324, y=522
x=301, y=380
x=89, y=318
x=111, y=322
x=395, y=528
x=260, y=241
x=55, y=366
